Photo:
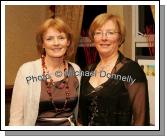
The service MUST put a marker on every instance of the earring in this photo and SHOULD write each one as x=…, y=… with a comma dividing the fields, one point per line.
x=43, y=52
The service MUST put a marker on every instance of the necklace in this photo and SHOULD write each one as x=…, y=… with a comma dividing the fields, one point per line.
x=62, y=84
x=106, y=67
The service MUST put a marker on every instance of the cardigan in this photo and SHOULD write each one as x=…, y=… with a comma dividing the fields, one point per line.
x=26, y=94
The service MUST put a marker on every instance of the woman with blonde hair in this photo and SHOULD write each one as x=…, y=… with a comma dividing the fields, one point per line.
x=117, y=95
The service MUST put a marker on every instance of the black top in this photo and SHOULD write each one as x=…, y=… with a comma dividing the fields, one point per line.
x=118, y=101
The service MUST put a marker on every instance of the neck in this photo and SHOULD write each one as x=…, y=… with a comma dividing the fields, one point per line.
x=108, y=59
x=53, y=63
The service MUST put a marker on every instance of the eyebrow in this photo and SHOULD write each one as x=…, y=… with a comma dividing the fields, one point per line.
x=106, y=30
x=54, y=35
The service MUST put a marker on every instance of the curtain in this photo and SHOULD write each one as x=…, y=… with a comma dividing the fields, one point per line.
x=73, y=15
x=153, y=11
x=151, y=38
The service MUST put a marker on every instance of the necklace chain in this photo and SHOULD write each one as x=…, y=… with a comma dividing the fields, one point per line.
x=101, y=68
x=51, y=83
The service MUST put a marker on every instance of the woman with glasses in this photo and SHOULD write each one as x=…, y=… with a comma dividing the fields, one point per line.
x=43, y=95
x=117, y=95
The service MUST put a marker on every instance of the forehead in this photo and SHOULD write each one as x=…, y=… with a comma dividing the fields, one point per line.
x=53, y=31
x=109, y=25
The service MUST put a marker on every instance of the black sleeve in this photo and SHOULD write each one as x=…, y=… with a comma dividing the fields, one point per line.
x=138, y=93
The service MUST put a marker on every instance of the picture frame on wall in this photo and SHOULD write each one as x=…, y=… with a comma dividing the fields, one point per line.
x=148, y=66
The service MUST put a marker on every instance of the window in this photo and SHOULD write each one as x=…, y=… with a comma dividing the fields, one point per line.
x=86, y=52
x=144, y=31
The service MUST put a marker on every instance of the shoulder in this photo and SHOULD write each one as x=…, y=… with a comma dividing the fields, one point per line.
x=91, y=67
x=134, y=69
x=75, y=66
x=133, y=65
x=29, y=66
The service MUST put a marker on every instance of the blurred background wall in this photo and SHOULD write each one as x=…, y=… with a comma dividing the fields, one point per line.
x=21, y=23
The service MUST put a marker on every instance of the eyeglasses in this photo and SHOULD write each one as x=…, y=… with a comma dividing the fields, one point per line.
x=108, y=34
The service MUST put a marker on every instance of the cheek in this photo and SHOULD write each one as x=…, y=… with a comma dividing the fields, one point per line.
x=119, y=39
x=65, y=44
x=65, y=49
x=46, y=44
x=96, y=41
x=116, y=40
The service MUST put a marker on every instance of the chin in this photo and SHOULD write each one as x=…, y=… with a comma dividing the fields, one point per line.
x=56, y=55
x=104, y=51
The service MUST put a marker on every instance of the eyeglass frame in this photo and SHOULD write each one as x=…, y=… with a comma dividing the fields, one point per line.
x=108, y=34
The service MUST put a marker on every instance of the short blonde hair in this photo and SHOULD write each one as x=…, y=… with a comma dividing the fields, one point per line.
x=101, y=19
x=59, y=25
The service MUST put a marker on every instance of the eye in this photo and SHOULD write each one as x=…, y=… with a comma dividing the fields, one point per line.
x=49, y=38
x=98, y=33
x=61, y=37
x=110, y=33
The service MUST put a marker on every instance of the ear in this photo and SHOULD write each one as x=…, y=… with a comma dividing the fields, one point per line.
x=120, y=39
x=68, y=43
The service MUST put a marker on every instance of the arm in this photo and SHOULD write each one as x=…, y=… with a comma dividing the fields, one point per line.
x=138, y=94
x=139, y=100
x=17, y=103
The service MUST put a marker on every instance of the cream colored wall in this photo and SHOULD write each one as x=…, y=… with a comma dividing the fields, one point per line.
x=115, y=9
x=125, y=12
x=21, y=23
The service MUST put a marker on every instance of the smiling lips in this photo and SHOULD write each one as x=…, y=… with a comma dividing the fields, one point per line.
x=104, y=45
x=56, y=49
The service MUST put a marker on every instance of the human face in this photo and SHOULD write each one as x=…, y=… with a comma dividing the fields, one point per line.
x=107, y=39
x=55, y=43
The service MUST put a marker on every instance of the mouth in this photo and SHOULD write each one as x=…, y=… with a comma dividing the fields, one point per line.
x=57, y=49
x=104, y=45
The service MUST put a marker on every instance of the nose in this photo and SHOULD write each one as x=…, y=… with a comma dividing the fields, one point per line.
x=56, y=41
x=104, y=36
